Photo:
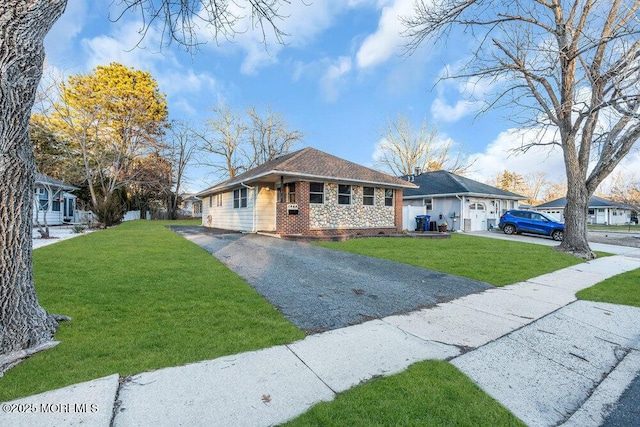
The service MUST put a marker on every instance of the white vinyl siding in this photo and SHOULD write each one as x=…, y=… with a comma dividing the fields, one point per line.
x=227, y=217
x=266, y=209
x=49, y=206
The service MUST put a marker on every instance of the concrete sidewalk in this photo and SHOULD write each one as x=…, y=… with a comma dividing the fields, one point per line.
x=548, y=358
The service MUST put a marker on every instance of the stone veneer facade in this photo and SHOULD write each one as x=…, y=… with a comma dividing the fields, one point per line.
x=331, y=218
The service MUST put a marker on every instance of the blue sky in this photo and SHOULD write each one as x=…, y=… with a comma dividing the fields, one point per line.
x=340, y=77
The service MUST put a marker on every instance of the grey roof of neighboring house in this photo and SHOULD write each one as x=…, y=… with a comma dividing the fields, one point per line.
x=444, y=183
x=48, y=181
x=594, y=202
x=311, y=164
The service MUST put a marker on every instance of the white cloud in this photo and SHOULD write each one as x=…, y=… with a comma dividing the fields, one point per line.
x=500, y=155
x=387, y=40
x=335, y=77
x=468, y=95
x=59, y=40
x=125, y=45
x=172, y=77
x=302, y=23
x=443, y=112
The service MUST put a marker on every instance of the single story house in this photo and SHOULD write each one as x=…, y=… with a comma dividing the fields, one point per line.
x=191, y=205
x=54, y=204
x=307, y=192
x=462, y=203
x=601, y=211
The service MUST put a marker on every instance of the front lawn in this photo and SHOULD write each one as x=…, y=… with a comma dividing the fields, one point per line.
x=141, y=298
x=621, y=289
x=625, y=228
x=498, y=262
x=430, y=393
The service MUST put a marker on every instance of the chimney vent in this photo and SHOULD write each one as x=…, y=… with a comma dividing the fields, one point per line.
x=418, y=171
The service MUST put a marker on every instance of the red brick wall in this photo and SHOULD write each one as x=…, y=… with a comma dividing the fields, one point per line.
x=397, y=204
x=294, y=224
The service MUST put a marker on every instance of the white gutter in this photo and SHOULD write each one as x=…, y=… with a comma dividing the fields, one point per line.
x=480, y=195
x=226, y=185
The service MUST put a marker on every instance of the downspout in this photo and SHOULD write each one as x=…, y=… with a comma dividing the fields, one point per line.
x=461, y=212
x=254, y=213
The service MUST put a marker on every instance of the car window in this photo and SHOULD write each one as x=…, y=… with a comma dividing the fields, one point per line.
x=537, y=217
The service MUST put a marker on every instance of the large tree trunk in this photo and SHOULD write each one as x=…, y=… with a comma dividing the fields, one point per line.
x=575, y=213
x=24, y=325
x=575, y=222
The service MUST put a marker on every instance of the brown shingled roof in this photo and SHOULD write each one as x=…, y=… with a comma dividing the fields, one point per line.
x=312, y=164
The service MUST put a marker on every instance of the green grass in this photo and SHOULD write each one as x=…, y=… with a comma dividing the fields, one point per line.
x=498, y=262
x=431, y=393
x=141, y=298
x=628, y=228
x=621, y=289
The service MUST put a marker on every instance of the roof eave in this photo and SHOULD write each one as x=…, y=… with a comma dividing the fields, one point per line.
x=484, y=195
x=235, y=183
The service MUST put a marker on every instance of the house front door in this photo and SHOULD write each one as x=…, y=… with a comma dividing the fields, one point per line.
x=69, y=209
x=478, y=215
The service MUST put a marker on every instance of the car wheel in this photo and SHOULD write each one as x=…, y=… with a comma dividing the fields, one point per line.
x=509, y=229
x=557, y=235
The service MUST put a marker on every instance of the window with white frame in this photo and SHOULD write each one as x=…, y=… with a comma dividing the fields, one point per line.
x=344, y=194
x=368, y=196
x=55, y=203
x=219, y=199
x=240, y=198
x=428, y=204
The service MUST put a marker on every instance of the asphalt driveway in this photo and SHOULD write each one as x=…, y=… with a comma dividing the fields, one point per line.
x=319, y=289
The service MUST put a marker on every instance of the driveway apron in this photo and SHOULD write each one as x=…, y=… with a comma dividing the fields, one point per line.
x=319, y=289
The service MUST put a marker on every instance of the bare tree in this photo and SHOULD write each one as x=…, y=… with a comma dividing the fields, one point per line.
x=531, y=185
x=222, y=137
x=268, y=137
x=625, y=188
x=554, y=191
x=404, y=149
x=570, y=66
x=234, y=143
x=181, y=149
x=43, y=228
x=25, y=327
x=536, y=183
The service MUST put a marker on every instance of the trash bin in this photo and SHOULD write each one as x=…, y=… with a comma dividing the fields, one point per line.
x=421, y=222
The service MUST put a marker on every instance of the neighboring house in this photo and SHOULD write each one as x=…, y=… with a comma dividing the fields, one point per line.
x=307, y=192
x=464, y=204
x=191, y=205
x=601, y=211
x=53, y=202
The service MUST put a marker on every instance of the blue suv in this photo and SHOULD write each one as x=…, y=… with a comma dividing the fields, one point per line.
x=516, y=222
